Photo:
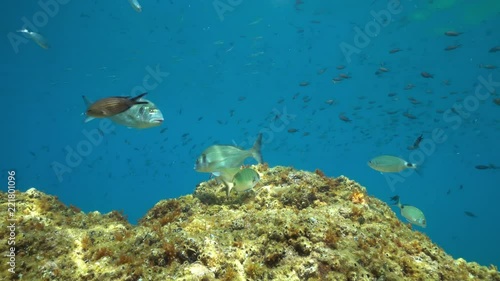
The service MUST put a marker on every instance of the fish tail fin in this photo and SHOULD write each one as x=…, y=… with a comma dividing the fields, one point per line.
x=417, y=168
x=256, y=149
x=87, y=104
x=138, y=97
x=86, y=101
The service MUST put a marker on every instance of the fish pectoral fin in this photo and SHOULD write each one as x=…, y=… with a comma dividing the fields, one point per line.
x=88, y=119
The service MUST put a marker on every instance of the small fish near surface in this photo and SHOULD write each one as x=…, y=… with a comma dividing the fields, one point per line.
x=452, y=47
x=111, y=106
x=395, y=50
x=416, y=144
x=411, y=213
x=139, y=116
x=486, y=167
x=36, y=37
x=426, y=74
x=344, y=118
x=470, y=214
x=452, y=33
x=135, y=4
x=216, y=158
x=494, y=49
x=390, y=164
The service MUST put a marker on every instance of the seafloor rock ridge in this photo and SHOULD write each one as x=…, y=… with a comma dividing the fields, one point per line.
x=297, y=226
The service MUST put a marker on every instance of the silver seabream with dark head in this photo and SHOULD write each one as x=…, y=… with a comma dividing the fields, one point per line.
x=216, y=158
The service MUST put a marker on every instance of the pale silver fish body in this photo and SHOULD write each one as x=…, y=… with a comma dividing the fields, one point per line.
x=36, y=37
x=245, y=179
x=413, y=215
x=219, y=157
x=140, y=116
x=227, y=176
x=135, y=4
x=390, y=164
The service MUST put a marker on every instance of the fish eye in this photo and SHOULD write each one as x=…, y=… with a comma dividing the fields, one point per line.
x=152, y=110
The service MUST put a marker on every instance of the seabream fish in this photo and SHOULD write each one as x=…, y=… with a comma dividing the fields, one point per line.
x=111, y=106
x=390, y=164
x=245, y=180
x=216, y=158
x=241, y=180
x=139, y=116
x=411, y=213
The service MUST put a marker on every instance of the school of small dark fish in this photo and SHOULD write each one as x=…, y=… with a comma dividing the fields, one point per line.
x=404, y=104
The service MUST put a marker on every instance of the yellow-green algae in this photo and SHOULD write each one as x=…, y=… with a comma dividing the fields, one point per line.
x=297, y=226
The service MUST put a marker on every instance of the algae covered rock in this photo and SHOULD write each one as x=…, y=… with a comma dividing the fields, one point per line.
x=295, y=225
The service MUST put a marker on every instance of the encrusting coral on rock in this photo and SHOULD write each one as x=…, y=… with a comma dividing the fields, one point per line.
x=296, y=225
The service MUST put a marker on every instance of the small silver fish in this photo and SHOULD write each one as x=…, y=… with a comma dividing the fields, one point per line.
x=226, y=176
x=216, y=158
x=390, y=164
x=245, y=180
x=135, y=4
x=411, y=213
x=37, y=38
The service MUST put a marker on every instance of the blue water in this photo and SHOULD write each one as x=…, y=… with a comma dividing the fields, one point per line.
x=231, y=71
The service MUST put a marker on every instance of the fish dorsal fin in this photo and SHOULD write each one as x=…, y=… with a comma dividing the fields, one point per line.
x=138, y=97
x=86, y=101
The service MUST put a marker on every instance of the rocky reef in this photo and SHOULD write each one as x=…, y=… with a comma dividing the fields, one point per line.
x=296, y=225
